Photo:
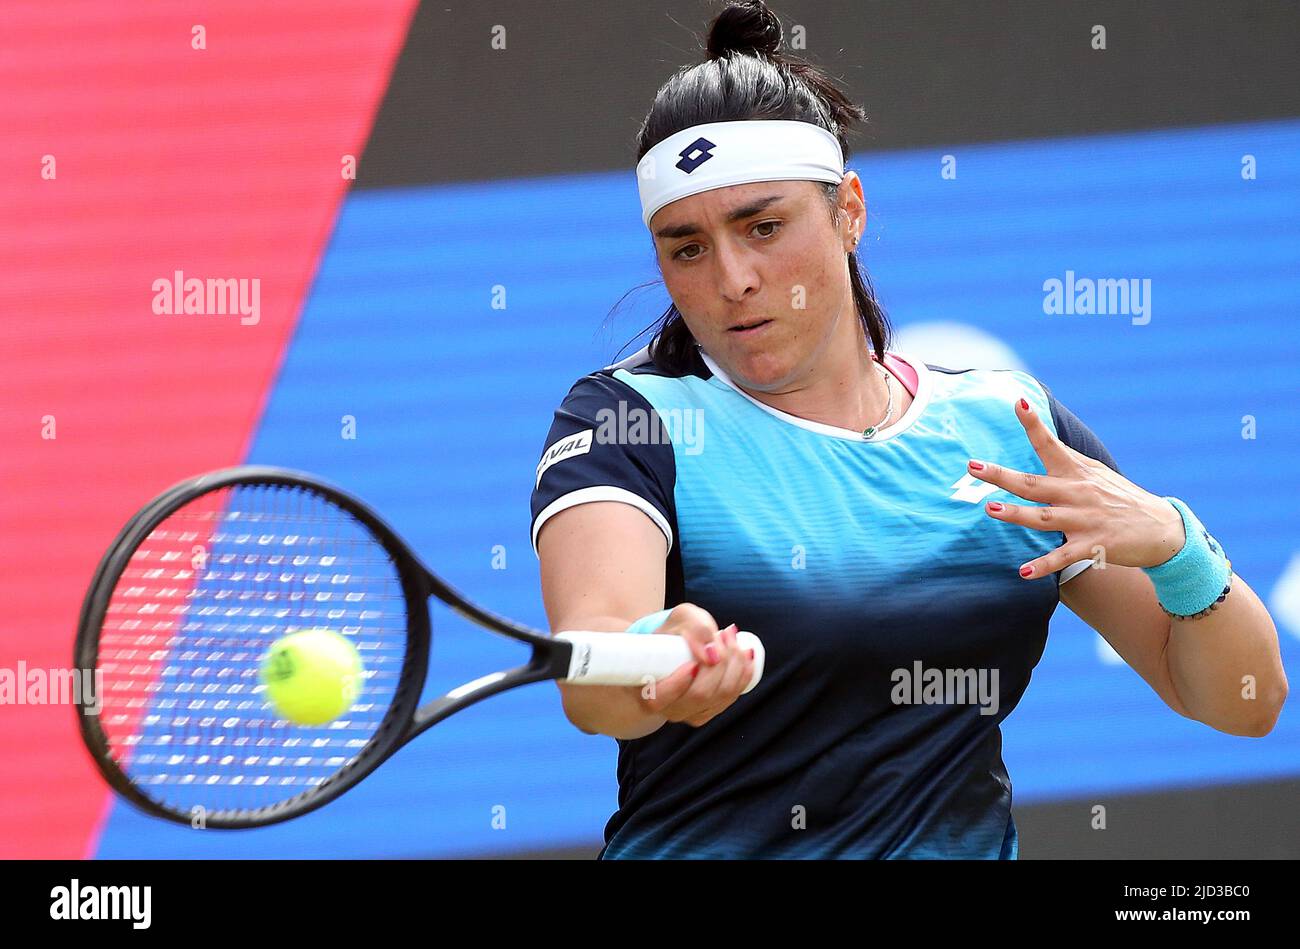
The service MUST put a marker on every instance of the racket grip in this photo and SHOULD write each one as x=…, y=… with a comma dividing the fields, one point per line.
x=638, y=658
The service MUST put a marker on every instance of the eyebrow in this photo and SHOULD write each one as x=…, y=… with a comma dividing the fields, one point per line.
x=748, y=210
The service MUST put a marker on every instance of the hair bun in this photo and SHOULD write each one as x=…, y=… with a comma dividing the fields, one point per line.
x=748, y=27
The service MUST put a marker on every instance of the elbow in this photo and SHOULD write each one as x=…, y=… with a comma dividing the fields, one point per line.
x=1264, y=721
x=1256, y=730
x=1274, y=707
x=573, y=711
x=580, y=725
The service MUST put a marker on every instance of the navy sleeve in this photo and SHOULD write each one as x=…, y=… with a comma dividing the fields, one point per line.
x=1077, y=435
x=606, y=443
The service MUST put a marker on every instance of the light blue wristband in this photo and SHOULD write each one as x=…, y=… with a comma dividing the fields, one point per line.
x=1195, y=578
x=648, y=624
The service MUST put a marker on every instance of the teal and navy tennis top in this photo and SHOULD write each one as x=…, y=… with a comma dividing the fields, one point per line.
x=898, y=632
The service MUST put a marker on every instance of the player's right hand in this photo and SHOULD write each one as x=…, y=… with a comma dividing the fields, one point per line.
x=717, y=673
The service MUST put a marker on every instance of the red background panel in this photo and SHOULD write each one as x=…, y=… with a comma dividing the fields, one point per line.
x=221, y=162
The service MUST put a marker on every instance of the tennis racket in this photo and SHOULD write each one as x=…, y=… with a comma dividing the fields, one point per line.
x=202, y=580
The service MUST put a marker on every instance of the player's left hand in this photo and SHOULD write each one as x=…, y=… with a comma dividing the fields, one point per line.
x=1094, y=506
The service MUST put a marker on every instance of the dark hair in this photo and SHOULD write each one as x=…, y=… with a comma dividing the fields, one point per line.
x=746, y=77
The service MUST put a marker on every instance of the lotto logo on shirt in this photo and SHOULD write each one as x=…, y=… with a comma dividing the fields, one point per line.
x=571, y=446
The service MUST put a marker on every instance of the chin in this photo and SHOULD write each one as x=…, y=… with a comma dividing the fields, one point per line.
x=759, y=370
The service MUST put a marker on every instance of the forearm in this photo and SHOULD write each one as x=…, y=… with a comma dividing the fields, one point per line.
x=1227, y=667
x=614, y=710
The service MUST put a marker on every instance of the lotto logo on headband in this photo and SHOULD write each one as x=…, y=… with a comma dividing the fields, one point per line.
x=751, y=150
x=701, y=145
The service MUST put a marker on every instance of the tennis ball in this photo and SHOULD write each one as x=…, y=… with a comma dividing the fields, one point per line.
x=312, y=676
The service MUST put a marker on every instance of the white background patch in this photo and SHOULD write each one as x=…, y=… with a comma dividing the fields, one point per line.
x=569, y=447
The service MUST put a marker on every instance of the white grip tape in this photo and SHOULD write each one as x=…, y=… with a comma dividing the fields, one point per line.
x=638, y=658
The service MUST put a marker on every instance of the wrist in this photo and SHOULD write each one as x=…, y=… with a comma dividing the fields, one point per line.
x=1170, y=534
x=649, y=623
x=1197, y=576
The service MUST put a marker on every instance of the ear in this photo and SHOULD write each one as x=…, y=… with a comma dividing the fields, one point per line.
x=853, y=207
x=853, y=183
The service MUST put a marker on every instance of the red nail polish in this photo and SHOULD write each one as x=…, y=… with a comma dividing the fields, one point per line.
x=977, y=465
x=1026, y=570
x=1024, y=405
x=695, y=670
x=995, y=505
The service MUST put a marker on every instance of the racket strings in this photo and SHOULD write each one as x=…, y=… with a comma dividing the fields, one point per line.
x=188, y=627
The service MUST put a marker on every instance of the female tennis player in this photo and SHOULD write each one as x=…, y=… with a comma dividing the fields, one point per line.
x=898, y=534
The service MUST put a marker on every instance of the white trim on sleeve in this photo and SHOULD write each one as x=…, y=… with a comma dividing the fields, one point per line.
x=1070, y=571
x=602, y=492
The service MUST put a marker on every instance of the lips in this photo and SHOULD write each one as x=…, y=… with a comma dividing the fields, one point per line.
x=749, y=325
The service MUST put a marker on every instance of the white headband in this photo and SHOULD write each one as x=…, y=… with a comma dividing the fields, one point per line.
x=719, y=154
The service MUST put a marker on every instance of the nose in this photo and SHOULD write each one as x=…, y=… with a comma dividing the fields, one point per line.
x=736, y=276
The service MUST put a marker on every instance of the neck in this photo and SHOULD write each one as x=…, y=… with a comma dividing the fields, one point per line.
x=844, y=389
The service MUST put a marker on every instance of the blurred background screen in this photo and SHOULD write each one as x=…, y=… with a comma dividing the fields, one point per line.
x=440, y=231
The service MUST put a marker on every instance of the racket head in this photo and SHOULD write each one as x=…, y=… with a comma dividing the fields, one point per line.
x=181, y=725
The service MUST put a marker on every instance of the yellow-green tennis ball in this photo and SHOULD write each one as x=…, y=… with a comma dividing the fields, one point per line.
x=312, y=676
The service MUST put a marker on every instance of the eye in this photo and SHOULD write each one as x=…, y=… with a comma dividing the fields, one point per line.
x=774, y=225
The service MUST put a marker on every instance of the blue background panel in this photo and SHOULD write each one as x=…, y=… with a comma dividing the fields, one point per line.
x=452, y=398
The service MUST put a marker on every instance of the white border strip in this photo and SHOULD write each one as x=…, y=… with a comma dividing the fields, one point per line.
x=602, y=492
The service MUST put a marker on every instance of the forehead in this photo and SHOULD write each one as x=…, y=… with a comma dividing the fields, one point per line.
x=697, y=211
